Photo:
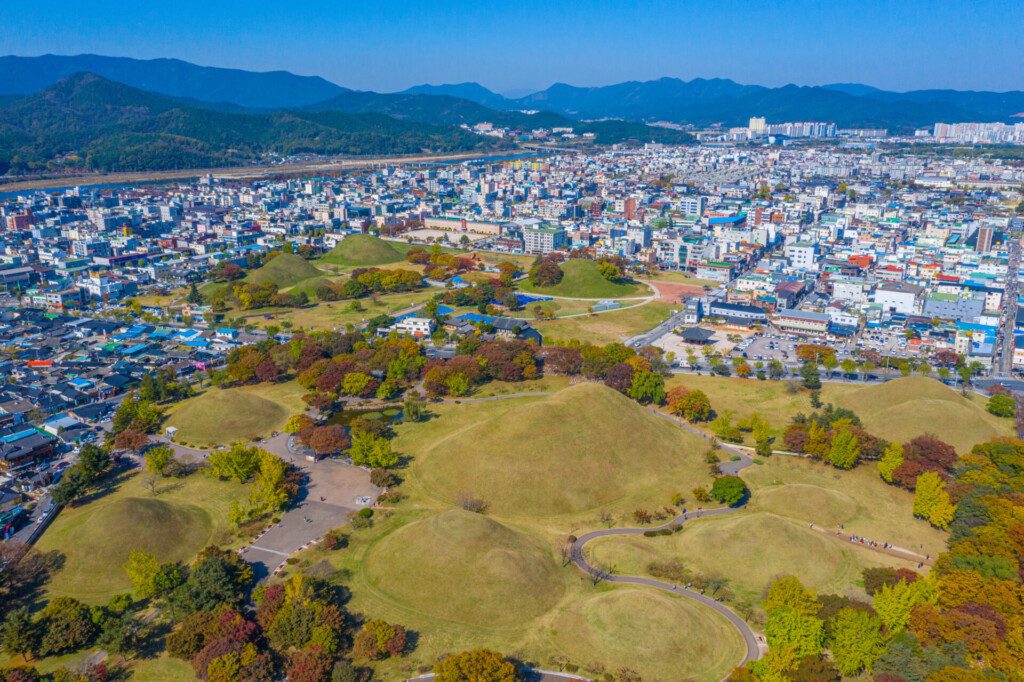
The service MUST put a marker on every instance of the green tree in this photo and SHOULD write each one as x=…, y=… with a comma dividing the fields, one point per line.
x=855, y=640
x=67, y=626
x=142, y=569
x=647, y=387
x=370, y=450
x=892, y=459
x=849, y=366
x=730, y=490
x=413, y=407
x=1001, y=405
x=809, y=373
x=239, y=462
x=158, y=458
x=787, y=627
x=194, y=297
x=931, y=501
x=355, y=383
x=789, y=591
x=845, y=450
x=893, y=603
x=19, y=634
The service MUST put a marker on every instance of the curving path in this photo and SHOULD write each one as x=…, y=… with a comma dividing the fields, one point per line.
x=577, y=556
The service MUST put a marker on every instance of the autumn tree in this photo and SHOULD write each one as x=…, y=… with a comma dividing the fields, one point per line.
x=931, y=501
x=478, y=664
x=855, y=640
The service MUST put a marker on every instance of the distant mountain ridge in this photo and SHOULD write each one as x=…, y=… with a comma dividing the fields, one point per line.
x=701, y=101
x=91, y=122
x=171, y=77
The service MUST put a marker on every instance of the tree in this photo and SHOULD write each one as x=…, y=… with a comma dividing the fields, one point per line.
x=142, y=569
x=478, y=664
x=931, y=501
x=158, y=459
x=730, y=490
x=647, y=387
x=325, y=440
x=891, y=460
x=239, y=462
x=845, y=450
x=67, y=626
x=130, y=439
x=849, y=366
x=19, y=635
x=194, y=297
x=789, y=591
x=810, y=375
x=413, y=407
x=893, y=603
x=370, y=450
x=787, y=627
x=379, y=639
x=695, y=407
x=855, y=640
x=1001, y=405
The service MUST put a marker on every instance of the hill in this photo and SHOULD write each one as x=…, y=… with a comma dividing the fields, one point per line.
x=284, y=270
x=474, y=92
x=88, y=121
x=907, y=407
x=171, y=77
x=581, y=279
x=581, y=449
x=361, y=250
x=461, y=566
x=221, y=417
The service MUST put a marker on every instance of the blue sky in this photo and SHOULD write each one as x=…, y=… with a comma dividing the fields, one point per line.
x=381, y=45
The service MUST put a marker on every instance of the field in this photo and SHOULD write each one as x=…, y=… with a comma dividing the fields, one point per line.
x=364, y=250
x=909, y=406
x=582, y=450
x=550, y=383
x=544, y=466
x=772, y=535
x=899, y=409
x=185, y=516
x=609, y=327
x=581, y=279
x=223, y=416
x=284, y=270
x=338, y=314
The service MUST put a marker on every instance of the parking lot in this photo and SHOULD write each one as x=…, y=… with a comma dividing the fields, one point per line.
x=782, y=347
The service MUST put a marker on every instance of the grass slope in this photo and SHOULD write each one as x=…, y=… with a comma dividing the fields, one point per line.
x=284, y=270
x=750, y=549
x=464, y=567
x=602, y=328
x=659, y=635
x=364, y=250
x=220, y=417
x=904, y=408
x=583, y=448
x=859, y=499
x=581, y=279
x=95, y=538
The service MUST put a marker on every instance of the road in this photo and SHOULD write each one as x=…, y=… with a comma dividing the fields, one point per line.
x=1004, y=364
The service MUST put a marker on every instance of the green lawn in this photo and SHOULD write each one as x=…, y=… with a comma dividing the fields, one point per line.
x=545, y=467
x=95, y=538
x=609, y=327
x=581, y=279
x=363, y=250
x=585, y=449
x=338, y=314
x=546, y=383
x=223, y=416
x=806, y=491
x=900, y=409
x=284, y=270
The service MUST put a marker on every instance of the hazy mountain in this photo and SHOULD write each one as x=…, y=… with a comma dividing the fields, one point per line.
x=474, y=92
x=172, y=77
x=447, y=110
x=704, y=101
x=105, y=125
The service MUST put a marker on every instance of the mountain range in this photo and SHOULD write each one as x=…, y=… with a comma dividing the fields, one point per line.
x=117, y=113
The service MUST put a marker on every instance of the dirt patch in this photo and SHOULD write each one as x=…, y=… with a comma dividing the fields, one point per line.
x=672, y=292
